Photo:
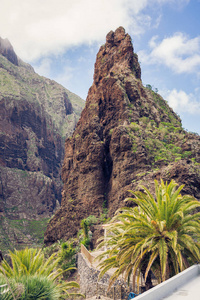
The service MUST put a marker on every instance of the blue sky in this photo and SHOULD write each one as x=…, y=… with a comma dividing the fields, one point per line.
x=60, y=39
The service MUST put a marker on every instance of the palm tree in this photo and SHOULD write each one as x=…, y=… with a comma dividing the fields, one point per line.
x=37, y=275
x=30, y=261
x=158, y=235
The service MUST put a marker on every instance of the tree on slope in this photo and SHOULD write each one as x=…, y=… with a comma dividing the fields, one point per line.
x=160, y=235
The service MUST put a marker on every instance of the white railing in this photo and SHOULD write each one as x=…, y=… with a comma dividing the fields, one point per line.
x=87, y=254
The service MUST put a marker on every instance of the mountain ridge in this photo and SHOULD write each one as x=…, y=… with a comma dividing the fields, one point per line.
x=6, y=49
x=36, y=115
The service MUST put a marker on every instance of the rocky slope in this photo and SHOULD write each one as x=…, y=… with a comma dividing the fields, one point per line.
x=127, y=135
x=36, y=115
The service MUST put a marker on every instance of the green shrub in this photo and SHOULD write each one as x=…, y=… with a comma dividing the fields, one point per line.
x=67, y=258
x=39, y=287
x=85, y=227
x=186, y=154
x=91, y=220
x=86, y=242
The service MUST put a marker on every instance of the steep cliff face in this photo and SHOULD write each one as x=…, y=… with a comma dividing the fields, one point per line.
x=127, y=135
x=36, y=115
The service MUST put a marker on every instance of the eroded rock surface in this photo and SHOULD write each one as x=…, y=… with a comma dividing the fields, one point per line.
x=127, y=135
x=36, y=115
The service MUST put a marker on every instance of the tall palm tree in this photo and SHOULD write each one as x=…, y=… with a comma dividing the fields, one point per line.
x=160, y=235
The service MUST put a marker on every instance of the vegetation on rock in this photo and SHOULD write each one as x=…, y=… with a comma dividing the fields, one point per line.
x=127, y=135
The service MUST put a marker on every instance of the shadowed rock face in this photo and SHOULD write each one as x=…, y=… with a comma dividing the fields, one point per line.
x=127, y=135
x=36, y=115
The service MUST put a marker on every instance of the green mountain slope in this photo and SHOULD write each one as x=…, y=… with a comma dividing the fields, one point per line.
x=36, y=116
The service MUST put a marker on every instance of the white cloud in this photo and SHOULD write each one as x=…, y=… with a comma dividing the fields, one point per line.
x=65, y=76
x=182, y=102
x=178, y=52
x=44, y=67
x=37, y=28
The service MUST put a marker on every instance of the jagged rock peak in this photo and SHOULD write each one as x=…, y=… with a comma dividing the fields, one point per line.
x=6, y=49
x=118, y=53
x=127, y=133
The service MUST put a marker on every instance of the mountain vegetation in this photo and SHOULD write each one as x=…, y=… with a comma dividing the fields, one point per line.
x=36, y=115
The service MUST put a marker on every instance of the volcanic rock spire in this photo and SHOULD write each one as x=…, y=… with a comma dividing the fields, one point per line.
x=110, y=147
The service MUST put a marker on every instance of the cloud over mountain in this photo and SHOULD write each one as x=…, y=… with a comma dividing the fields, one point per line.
x=177, y=52
x=37, y=28
x=180, y=101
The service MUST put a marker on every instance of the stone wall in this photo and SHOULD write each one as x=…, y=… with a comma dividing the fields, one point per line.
x=91, y=286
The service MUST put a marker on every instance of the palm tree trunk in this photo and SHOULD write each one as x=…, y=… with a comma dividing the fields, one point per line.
x=134, y=282
x=148, y=282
